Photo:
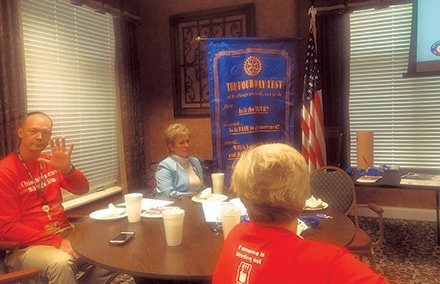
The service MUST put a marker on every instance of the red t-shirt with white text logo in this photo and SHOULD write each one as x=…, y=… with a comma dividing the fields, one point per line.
x=256, y=254
x=27, y=215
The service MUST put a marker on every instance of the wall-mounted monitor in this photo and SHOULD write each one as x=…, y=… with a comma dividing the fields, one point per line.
x=425, y=39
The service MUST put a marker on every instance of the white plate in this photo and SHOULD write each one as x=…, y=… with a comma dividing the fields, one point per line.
x=213, y=197
x=108, y=214
x=324, y=205
x=156, y=212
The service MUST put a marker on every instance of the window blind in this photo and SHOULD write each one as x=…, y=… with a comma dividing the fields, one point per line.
x=404, y=113
x=70, y=75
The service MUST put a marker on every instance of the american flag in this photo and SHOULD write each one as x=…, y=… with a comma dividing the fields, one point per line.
x=312, y=118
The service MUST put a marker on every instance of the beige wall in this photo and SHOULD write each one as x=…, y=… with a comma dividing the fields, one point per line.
x=274, y=19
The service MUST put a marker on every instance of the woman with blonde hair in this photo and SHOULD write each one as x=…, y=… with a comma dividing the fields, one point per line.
x=179, y=172
x=272, y=181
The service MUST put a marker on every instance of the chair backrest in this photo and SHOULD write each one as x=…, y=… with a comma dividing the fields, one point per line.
x=334, y=186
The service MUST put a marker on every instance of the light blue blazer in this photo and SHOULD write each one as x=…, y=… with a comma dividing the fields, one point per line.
x=171, y=177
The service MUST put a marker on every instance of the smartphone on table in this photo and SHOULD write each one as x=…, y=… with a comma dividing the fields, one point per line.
x=122, y=238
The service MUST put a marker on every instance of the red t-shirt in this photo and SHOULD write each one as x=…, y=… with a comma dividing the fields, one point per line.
x=22, y=216
x=258, y=254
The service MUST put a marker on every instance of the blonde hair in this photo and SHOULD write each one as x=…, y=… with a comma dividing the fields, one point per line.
x=173, y=131
x=272, y=181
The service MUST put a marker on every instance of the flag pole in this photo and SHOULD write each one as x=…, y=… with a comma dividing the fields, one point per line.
x=312, y=117
x=312, y=12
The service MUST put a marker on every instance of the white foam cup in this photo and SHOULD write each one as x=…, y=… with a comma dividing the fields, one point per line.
x=218, y=181
x=133, y=203
x=173, y=223
x=230, y=215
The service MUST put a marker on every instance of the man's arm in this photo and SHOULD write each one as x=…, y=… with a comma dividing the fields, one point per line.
x=75, y=183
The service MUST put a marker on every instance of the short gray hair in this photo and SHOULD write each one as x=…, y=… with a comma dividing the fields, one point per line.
x=272, y=181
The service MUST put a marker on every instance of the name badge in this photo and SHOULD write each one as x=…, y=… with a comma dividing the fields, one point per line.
x=53, y=228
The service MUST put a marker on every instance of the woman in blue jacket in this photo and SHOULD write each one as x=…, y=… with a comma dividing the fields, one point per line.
x=179, y=172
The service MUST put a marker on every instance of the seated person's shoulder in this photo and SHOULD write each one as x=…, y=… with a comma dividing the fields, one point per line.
x=7, y=164
x=318, y=250
x=168, y=161
x=195, y=160
x=6, y=159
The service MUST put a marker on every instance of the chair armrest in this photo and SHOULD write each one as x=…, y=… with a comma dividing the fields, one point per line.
x=13, y=277
x=4, y=245
x=379, y=211
x=373, y=207
x=376, y=208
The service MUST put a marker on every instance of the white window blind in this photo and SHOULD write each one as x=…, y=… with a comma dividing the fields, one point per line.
x=404, y=113
x=70, y=75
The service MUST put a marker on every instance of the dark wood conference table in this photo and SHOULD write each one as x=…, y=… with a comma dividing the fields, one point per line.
x=147, y=254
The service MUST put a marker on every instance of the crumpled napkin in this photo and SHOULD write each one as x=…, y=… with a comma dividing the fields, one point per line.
x=205, y=194
x=312, y=202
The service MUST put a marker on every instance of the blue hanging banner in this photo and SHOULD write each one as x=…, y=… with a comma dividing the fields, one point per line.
x=251, y=95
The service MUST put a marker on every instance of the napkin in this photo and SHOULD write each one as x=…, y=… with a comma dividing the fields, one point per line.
x=205, y=194
x=302, y=226
x=211, y=210
x=312, y=202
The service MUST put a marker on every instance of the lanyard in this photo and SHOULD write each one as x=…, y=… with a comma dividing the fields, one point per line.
x=40, y=187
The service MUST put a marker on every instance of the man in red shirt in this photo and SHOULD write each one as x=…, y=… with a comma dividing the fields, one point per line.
x=31, y=201
x=272, y=181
